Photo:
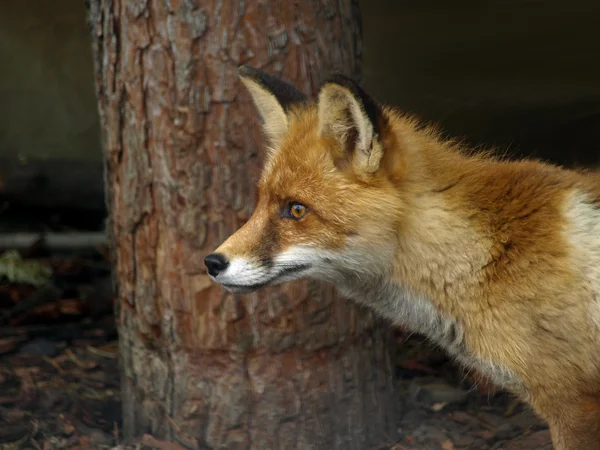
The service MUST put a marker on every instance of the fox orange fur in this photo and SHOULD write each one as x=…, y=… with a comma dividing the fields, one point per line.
x=498, y=262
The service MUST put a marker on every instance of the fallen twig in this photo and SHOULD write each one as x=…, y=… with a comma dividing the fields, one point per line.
x=54, y=364
x=100, y=352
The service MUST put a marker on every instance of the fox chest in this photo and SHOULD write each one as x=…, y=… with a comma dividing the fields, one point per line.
x=418, y=314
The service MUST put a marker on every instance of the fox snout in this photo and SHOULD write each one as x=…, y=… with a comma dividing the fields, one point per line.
x=215, y=264
x=250, y=259
x=242, y=275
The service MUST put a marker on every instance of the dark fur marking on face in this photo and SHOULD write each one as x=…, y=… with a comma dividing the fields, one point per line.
x=268, y=245
x=286, y=94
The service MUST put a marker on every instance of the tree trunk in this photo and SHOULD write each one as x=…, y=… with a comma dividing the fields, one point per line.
x=288, y=367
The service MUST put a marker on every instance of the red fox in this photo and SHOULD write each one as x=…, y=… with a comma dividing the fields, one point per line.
x=496, y=261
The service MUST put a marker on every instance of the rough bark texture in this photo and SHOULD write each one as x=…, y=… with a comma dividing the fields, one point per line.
x=292, y=367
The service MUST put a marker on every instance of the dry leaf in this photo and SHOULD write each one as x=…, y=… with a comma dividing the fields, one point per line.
x=437, y=407
x=447, y=445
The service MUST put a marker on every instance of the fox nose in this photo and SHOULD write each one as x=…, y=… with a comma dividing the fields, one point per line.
x=216, y=263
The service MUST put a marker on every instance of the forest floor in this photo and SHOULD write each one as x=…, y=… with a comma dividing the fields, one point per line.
x=59, y=377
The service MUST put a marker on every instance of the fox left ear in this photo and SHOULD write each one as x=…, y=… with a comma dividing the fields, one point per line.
x=352, y=118
x=273, y=98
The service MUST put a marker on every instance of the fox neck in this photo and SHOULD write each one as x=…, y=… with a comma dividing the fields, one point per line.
x=441, y=247
x=439, y=252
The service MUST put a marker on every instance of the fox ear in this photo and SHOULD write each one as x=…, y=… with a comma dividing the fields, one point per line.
x=352, y=118
x=273, y=98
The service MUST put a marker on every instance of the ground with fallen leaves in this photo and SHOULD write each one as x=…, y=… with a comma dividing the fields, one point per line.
x=59, y=382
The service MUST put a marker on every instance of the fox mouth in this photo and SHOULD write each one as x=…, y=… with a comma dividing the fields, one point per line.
x=247, y=288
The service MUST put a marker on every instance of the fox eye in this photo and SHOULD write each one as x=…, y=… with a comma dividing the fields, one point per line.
x=295, y=211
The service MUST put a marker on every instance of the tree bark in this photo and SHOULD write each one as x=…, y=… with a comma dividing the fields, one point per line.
x=288, y=367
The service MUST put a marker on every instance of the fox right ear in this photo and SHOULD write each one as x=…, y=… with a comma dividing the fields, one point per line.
x=273, y=98
x=352, y=118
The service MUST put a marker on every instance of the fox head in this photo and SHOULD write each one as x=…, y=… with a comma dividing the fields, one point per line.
x=327, y=204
